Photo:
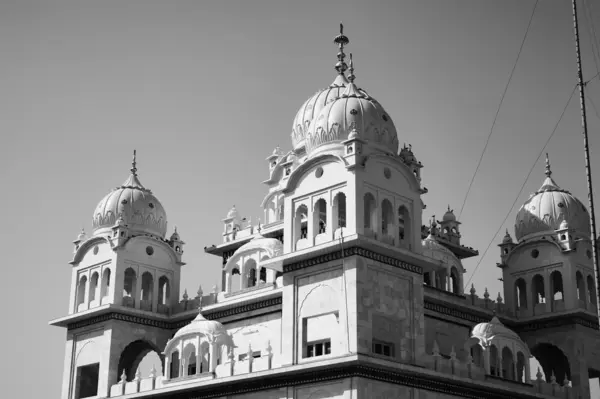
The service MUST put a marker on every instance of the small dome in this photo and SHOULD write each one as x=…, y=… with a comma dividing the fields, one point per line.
x=354, y=110
x=131, y=204
x=407, y=155
x=311, y=108
x=175, y=235
x=495, y=328
x=507, y=238
x=81, y=236
x=564, y=225
x=233, y=213
x=211, y=329
x=545, y=211
x=449, y=215
x=433, y=249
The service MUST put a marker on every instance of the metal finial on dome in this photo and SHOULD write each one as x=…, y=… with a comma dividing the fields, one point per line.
x=134, y=164
x=548, y=171
x=351, y=77
x=341, y=40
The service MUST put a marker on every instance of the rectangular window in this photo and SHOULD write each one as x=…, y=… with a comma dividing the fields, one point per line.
x=87, y=380
x=318, y=348
x=317, y=334
x=383, y=348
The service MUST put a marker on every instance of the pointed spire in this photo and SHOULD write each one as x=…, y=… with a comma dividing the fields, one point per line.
x=548, y=171
x=472, y=289
x=341, y=40
x=134, y=164
x=133, y=180
x=351, y=77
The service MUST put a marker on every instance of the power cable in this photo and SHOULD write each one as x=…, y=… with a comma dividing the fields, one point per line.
x=521, y=190
x=498, y=110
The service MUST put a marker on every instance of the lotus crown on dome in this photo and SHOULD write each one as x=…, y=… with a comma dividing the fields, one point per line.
x=203, y=326
x=494, y=328
x=131, y=204
x=449, y=216
x=355, y=111
x=547, y=209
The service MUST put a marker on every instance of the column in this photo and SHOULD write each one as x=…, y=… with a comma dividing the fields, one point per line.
x=168, y=367
x=310, y=225
x=213, y=356
x=330, y=228
x=155, y=294
x=227, y=281
x=138, y=289
x=198, y=353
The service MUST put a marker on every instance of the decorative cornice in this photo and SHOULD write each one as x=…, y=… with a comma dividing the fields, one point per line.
x=170, y=325
x=336, y=254
x=411, y=379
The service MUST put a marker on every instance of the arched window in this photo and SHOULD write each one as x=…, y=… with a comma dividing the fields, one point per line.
x=300, y=226
x=263, y=275
x=455, y=280
x=147, y=289
x=521, y=367
x=404, y=227
x=250, y=272
x=81, y=291
x=539, y=292
x=521, y=294
x=164, y=290
x=174, y=366
x=236, y=280
x=557, y=285
x=508, y=365
x=387, y=218
x=339, y=211
x=494, y=360
x=94, y=286
x=204, y=357
x=105, y=282
x=320, y=217
x=426, y=278
x=129, y=283
x=477, y=355
x=369, y=212
x=189, y=353
x=580, y=288
x=591, y=287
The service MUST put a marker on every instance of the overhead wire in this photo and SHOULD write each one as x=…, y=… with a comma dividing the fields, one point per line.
x=498, y=110
x=522, y=187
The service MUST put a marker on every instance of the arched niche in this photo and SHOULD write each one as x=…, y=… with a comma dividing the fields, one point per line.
x=552, y=360
x=132, y=356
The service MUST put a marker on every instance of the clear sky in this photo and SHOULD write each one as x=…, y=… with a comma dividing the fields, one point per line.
x=205, y=90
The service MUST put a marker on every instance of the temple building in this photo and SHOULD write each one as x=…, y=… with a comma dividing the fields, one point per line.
x=343, y=291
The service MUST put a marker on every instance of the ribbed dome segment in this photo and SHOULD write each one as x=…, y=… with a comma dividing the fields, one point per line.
x=355, y=111
x=138, y=208
x=202, y=326
x=548, y=208
x=495, y=328
x=312, y=107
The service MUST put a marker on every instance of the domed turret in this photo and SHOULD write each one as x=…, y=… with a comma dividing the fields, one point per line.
x=449, y=215
x=135, y=205
x=544, y=211
x=507, y=238
x=355, y=111
x=494, y=329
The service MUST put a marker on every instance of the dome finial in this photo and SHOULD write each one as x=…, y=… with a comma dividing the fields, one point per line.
x=341, y=40
x=351, y=77
x=548, y=171
x=134, y=164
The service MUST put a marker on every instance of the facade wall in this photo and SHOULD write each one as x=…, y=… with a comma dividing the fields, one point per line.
x=258, y=332
x=447, y=335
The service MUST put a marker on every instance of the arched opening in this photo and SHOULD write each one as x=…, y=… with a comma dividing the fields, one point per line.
x=552, y=360
x=339, y=211
x=164, y=291
x=94, y=287
x=81, y=291
x=146, y=292
x=494, y=361
x=189, y=354
x=320, y=217
x=204, y=357
x=174, y=365
x=369, y=214
x=263, y=275
x=591, y=287
x=426, y=278
x=539, y=292
x=387, y=219
x=508, y=364
x=132, y=357
x=105, y=282
x=236, y=280
x=520, y=294
x=300, y=225
x=521, y=367
x=580, y=289
x=477, y=355
x=557, y=286
x=250, y=272
x=129, y=283
x=404, y=227
x=150, y=361
x=455, y=280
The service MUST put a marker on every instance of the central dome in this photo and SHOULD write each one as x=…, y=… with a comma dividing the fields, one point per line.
x=357, y=112
x=545, y=210
x=132, y=204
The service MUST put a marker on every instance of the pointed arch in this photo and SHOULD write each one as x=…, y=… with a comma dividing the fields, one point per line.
x=300, y=224
x=339, y=210
x=520, y=294
x=146, y=292
x=236, y=280
x=494, y=361
x=189, y=354
x=387, y=218
x=508, y=364
x=132, y=356
x=556, y=282
x=370, y=209
x=164, y=291
x=404, y=227
x=94, y=287
x=477, y=355
x=591, y=288
x=105, y=283
x=553, y=360
x=538, y=290
x=81, y=292
x=320, y=217
x=250, y=273
x=522, y=367
x=263, y=275
x=580, y=289
x=174, y=365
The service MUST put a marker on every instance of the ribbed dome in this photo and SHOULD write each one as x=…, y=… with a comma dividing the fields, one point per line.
x=548, y=208
x=435, y=250
x=233, y=213
x=495, y=328
x=138, y=208
x=201, y=326
x=312, y=107
x=449, y=216
x=354, y=112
